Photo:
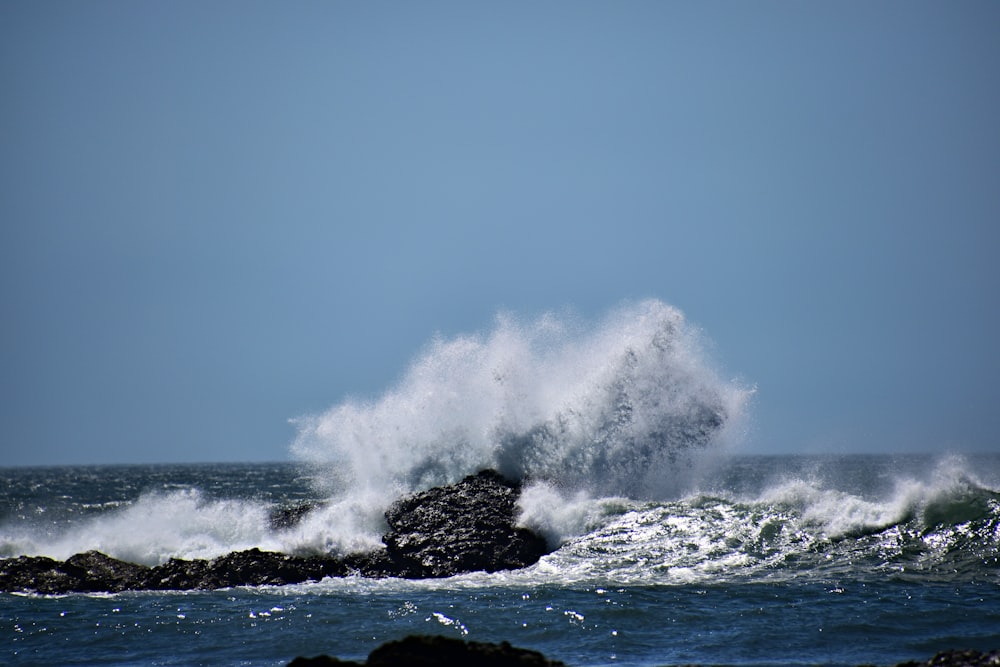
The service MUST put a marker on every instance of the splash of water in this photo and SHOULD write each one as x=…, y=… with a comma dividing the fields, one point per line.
x=155, y=527
x=610, y=408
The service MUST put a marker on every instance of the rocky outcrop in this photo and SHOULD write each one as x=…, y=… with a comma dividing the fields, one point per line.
x=242, y=568
x=94, y=571
x=464, y=527
x=421, y=651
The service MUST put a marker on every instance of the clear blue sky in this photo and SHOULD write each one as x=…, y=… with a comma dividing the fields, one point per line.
x=217, y=216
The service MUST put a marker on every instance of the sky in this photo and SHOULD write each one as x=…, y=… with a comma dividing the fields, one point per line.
x=219, y=216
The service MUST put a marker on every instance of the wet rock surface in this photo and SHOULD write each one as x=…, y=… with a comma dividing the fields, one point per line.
x=93, y=572
x=466, y=527
x=463, y=527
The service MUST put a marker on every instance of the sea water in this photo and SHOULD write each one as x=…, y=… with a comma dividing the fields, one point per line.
x=783, y=560
x=669, y=545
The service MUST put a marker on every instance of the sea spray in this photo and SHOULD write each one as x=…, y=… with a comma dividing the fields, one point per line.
x=612, y=409
x=153, y=528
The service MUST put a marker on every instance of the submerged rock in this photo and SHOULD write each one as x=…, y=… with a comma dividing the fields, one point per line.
x=465, y=527
x=424, y=651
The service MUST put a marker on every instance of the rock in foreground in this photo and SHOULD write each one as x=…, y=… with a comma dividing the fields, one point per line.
x=959, y=659
x=421, y=651
x=465, y=527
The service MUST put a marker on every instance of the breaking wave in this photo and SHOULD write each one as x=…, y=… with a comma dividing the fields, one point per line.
x=615, y=409
x=941, y=525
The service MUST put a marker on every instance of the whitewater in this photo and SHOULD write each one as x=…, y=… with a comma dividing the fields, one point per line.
x=670, y=546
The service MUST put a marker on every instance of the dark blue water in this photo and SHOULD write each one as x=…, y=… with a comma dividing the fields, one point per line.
x=740, y=624
x=763, y=561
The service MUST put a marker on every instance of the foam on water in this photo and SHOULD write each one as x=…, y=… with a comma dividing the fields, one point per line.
x=951, y=493
x=943, y=525
x=184, y=524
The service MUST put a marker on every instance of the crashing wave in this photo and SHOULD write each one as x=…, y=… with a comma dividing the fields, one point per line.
x=610, y=408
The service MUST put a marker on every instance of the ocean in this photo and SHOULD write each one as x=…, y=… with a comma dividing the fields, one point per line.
x=792, y=560
x=670, y=545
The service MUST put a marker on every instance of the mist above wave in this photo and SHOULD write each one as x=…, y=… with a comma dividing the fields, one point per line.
x=610, y=408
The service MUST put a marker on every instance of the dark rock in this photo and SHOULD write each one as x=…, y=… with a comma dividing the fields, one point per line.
x=256, y=568
x=289, y=517
x=87, y=572
x=99, y=572
x=243, y=568
x=423, y=651
x=96, y=572
x=35, y=574
x=267, y=568
x=178, y=574
x=959, y=659
x=466, y=527
x=374, y=565
x=323, y=661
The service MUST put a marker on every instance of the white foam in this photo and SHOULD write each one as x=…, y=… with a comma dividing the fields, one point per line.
x=838, y=513
x=835, y=513
x=159, y=526
x=558, y=517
